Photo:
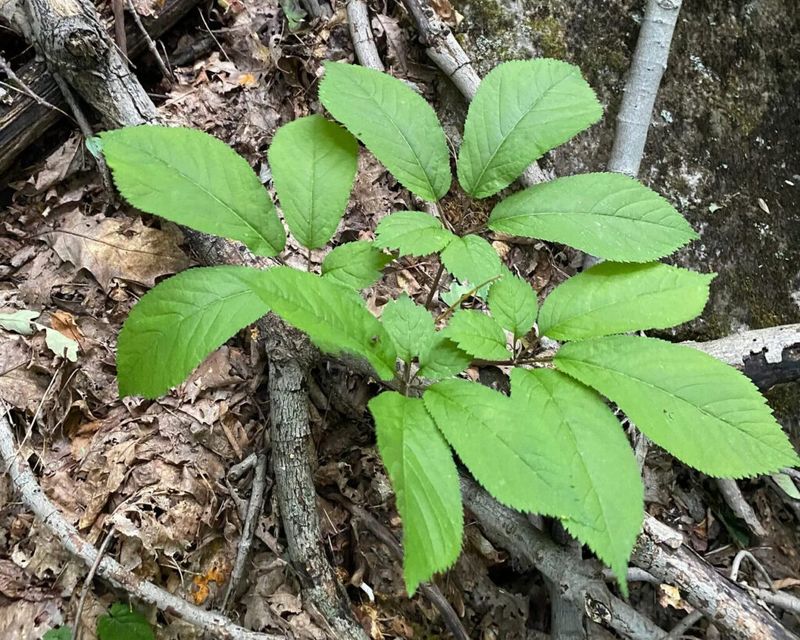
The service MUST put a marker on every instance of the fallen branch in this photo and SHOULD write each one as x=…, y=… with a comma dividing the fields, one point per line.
x=34, y=498
x=26, y=116
x=294, y=485
x=361, y=35
x=257, y=489
x=644, y=78
x=660, y=551
x=767, y=356
x=736, y=501
x=578, y=583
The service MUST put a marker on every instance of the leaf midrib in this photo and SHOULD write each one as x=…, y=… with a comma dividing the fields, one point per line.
x=202, y=188
x=672, y=395
x=514, y=127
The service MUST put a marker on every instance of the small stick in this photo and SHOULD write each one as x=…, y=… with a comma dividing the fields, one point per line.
x=5, y=67
x=434, y=286
x=24, y=481
x=88, y=582
x=86, y=130
x=736, y=501
x=118, y=9
x=149, y=42
x=689, y=620
x=361, y=34
x=248, y=529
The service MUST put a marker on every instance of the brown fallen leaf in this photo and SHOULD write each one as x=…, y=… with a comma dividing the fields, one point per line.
x=64, y=323
x=109, y=248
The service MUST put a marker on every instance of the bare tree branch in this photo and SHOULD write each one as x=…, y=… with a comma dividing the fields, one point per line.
x=644, y=78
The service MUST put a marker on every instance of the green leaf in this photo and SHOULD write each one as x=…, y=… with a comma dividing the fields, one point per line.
x=787, y=485
x=425, y=481
x=191, y=178
x=702, y=411
x=410, y=327
x=413, y=233
x=59, y=633
x=522, y=109
x=470, y=258
x=504, y=450
x=21, y=321
x=606, y=214
x=513, y=304
x=395, y=124
x=313, y=163
x=123, y=623
x=443, y=359
x=356, y=265
x=59, y=344
x=605, y=474
x=477, y=334
x=179, y=322
x=334, y=317
x=617, y=297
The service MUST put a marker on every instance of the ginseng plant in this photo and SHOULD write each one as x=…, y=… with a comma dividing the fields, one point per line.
x=553, y=446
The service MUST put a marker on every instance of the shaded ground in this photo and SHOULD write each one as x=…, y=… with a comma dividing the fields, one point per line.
x=723, y=148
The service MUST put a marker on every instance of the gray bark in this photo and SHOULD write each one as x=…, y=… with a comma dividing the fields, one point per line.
x=294, y=484
x=361, y=35
x=641, y=88
x=23, y=120
x=660, y=551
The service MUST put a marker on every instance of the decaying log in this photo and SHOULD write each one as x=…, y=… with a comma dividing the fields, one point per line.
x=23, y=120
x=661, y=552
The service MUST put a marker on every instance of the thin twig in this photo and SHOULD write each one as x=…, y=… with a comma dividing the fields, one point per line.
x=428, y=589
x=118, y=9
x=736, y=501
x=87, y=584
x=688, y=621
x=149, y=42
x=248, y=529
x=86, y=130
x=434, y=286
x=5, y=67
x=34, y=498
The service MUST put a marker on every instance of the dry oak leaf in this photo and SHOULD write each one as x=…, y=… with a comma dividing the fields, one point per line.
x=109, y=248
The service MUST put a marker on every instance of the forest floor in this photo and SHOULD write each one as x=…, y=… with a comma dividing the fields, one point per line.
x=158, y=471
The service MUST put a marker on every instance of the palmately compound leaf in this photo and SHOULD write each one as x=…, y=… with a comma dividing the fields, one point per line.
x=412, y=233
x=702, y=411
x=522, y=109
x=513, y=304
x=334, y=317
x=614, y=297
x=357, y=265
x=425, y=480
x=410, y=327
x=393, y=122
x=502, y=448
x=123, y=623
x=607, y=215
x=605, y=474
x=313, y=163
x=477, y=334
x=471, y=259
x=179, y=322
x=443, y=359
x=191, y=178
